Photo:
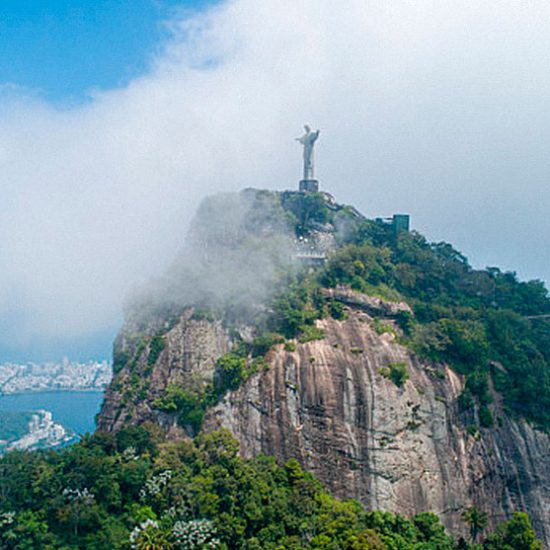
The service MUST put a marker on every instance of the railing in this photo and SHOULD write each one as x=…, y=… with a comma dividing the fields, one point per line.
x=546, y=316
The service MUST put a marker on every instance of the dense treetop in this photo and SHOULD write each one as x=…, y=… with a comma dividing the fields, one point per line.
x=129, y=491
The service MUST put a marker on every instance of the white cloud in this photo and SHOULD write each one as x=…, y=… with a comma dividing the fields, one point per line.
x=437, y=108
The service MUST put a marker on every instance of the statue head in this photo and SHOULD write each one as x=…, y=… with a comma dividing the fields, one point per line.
x=307, y=128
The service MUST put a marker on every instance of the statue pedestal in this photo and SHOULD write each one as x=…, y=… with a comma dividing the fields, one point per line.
x=309, y=186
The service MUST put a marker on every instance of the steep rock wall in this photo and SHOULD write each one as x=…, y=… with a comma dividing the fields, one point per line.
x=188, y=358
x=404, y=449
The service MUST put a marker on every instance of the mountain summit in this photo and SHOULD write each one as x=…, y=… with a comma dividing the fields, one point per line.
x=386, y=365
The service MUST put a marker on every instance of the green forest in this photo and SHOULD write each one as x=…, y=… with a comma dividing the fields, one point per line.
x=133, y=490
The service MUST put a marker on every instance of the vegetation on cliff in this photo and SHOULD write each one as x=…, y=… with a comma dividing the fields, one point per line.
x=481, y=322
x=128, y=491
x=486, y=324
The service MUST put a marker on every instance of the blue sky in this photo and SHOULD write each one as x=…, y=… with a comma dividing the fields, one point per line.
x=62, y=49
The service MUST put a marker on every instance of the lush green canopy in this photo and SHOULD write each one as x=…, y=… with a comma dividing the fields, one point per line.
x=111, y=493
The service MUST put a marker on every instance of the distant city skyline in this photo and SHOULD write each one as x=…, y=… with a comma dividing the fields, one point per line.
x=65, y=375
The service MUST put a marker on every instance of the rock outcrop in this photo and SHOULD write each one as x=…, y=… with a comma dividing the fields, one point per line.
x=187, y=359
x=402, y=449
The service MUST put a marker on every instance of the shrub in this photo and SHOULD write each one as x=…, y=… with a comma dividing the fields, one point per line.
x=473, y=431
x=120, y=358
x=336, y=310
x=262, y=344
x=230, y=372
x=190, y=405
x=485, y=417
x=310, y=333
x=382, y=328
x=462, y=343
x=156, y=346
x=465, y=400
x=396, y=372
x=306, y=208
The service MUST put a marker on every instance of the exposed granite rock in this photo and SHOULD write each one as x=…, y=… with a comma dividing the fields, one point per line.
x=399, y=449
x=328, y=404
x=191, y=348
x=402, y=449
x=371, y=304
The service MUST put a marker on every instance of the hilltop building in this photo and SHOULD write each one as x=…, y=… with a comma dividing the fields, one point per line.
x=398, y=222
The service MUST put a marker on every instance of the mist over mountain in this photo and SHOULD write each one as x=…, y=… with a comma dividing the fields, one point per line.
x=437, y=109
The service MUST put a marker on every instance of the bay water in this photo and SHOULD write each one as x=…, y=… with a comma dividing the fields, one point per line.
x=75, y=410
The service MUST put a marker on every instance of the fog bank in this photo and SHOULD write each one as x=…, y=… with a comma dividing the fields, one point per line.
x=438, y=109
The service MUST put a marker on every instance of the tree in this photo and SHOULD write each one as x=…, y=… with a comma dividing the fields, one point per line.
x=367, y=540
x=199, y=533
x=136, y=437
x=79, y=505
x=477, y=520
x=515, y=534
x=150, y=536
x=431, y=530
x=27, y=533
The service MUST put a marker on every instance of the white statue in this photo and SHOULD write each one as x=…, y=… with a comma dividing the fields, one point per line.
x=308, y=140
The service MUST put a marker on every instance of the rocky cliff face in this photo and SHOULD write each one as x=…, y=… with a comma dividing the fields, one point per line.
x=186, y=358
x=402, y=449
x=331, y=405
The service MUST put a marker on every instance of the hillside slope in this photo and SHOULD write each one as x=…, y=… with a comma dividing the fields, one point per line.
x=386, y=365
x=401, y=449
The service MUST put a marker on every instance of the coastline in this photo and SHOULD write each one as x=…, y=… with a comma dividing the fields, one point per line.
x=73, y=409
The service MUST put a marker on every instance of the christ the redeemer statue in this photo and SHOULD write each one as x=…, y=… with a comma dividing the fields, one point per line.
x=308, y=141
